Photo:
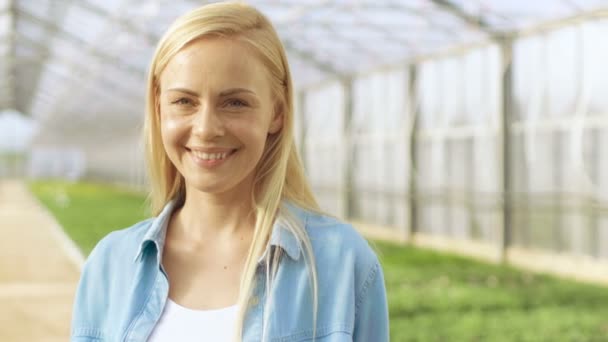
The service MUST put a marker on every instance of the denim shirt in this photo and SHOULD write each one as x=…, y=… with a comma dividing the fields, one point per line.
x=123, y=288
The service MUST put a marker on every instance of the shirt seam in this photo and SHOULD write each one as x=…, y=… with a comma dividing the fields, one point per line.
x=88, y=332
x=320, y=332
x=368, y=281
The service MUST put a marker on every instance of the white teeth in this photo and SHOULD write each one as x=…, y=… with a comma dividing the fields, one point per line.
x=210, y=156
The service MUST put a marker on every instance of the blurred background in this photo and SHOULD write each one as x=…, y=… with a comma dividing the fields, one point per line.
x=472, y=135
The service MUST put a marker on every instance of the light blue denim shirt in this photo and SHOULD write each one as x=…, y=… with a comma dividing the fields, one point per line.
x=123, y=288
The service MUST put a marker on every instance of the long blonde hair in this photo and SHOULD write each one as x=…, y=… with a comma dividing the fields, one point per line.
x=278, y=176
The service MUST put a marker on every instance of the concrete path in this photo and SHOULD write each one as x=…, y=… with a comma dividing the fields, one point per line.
x=39, y=269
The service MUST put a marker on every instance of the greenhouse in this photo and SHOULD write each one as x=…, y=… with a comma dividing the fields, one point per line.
x=467, y=140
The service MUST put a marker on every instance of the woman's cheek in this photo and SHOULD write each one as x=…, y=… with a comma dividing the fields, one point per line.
x=171, y=127
x=245, y=126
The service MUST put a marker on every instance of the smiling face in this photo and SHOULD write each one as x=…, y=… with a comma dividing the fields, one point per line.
x=216, y=112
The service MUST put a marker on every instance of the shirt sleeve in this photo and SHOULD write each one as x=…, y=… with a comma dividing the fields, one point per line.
x=371, y=314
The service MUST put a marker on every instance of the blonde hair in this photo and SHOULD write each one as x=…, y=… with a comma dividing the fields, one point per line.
x=279, y=174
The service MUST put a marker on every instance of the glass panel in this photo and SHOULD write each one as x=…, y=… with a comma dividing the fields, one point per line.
x=5, y=24
x=84, y=24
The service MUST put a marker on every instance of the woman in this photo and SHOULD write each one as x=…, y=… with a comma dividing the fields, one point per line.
x=238, y=249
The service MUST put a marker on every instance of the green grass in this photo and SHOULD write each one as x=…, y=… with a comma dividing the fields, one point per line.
x=89, y=211
x=432, y=296
x=11, y=157
x=439, y=297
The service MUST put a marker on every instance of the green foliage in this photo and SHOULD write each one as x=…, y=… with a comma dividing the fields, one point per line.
x=432, y=296
x=89, y=211
x=439, y=297
x=11, y=157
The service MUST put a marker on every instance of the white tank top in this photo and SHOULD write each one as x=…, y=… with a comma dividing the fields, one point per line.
x=178, y=323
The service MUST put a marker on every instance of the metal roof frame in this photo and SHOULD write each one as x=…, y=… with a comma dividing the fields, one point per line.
x=78, y=68
x=293, y=22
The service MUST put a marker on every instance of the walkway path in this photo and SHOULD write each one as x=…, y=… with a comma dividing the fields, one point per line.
x=39, y=269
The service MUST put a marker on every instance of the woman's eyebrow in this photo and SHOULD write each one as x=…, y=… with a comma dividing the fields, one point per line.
x=233, y=91
x=184, y=90
x=227, y=92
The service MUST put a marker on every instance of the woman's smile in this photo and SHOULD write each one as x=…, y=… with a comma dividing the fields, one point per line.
x=210, y=158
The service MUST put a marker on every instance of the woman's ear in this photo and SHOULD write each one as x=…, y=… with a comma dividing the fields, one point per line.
x=277, y=120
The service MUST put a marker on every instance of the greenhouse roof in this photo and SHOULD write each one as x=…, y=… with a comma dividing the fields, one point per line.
x=75, y=60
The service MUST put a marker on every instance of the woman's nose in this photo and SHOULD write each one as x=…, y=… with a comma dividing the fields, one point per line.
x=207, y=123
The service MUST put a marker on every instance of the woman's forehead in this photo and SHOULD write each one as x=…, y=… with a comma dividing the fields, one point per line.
x=213, y=61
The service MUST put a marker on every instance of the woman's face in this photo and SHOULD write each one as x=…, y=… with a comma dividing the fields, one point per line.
x=216, y=111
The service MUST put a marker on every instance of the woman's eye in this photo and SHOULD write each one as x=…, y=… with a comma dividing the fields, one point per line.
x=183, y=102
x=236, y=103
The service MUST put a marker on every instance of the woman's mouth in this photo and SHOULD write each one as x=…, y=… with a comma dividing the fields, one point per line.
x=210, y=159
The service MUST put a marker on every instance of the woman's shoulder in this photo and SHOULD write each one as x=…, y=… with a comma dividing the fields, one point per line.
x=349, y=276
x=334, y=239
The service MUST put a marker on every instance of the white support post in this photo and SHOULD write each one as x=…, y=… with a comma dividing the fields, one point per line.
x=347, y=151
x=507, y=107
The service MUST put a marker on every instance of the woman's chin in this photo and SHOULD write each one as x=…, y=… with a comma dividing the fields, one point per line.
x=211, y=185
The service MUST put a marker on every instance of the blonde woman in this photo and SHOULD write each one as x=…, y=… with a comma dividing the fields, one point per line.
x=238, y=249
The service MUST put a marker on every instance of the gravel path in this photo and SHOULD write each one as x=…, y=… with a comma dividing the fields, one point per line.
x=39, y=269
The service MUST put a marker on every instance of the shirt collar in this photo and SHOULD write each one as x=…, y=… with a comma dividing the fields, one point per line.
x=281, y=236
x=155, y=234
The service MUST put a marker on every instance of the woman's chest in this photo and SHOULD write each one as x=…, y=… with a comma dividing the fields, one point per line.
x=288, y=309
x=192, y=277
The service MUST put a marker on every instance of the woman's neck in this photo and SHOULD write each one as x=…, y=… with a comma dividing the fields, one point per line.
x=204, y=216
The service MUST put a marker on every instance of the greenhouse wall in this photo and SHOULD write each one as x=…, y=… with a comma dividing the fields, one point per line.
x=418, y=150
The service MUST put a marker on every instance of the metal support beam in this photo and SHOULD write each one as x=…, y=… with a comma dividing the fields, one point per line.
x=355, y=45
x=127, y=26
x=12, y=103
x=81, y=44
x=346, y=191
x=78, y=67
x=476, y=22
x=507, y=109
x=311, y=59
x=106, y=60
x=297, y=12
x=116, y=90
x=412, y=157
x=552, y=25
